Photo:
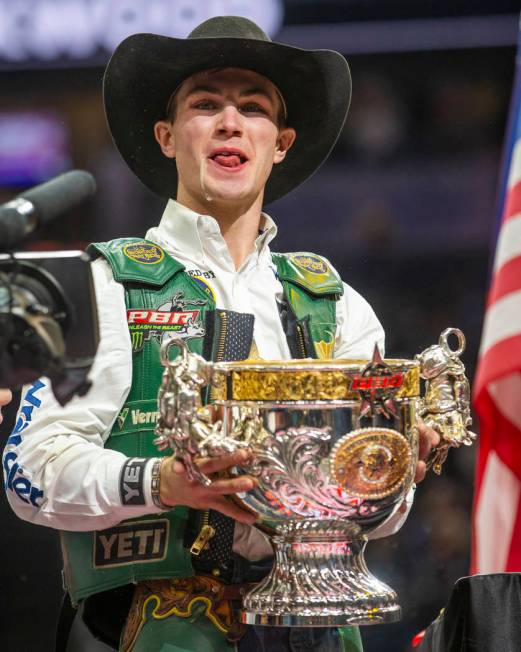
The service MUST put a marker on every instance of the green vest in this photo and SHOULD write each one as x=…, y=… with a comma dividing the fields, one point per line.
x=161, y=297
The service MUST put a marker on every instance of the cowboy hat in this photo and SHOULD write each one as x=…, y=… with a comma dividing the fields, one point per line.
x=146, y=68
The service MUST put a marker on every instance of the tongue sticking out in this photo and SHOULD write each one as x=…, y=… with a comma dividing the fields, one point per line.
x=228, y=160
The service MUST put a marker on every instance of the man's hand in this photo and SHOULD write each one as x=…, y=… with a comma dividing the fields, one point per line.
x=429, y=439
x=5, y=398
x=177, y=489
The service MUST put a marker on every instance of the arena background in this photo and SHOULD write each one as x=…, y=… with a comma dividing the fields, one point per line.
x=404, y=208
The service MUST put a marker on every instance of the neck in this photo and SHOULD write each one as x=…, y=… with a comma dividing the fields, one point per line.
x=239, y=224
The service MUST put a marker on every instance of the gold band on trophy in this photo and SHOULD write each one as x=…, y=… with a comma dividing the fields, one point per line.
x=337, y=380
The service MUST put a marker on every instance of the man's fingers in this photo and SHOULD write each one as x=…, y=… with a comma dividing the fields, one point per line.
x=210, y=465
x=178, y=467
x=421, y=470
x=219, y=485
x=429, y=439
x=5, y=396
x=232, y=485
x=215, y=464
x=233, y=511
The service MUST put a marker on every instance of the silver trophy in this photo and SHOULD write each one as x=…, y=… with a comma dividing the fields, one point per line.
x=335, y=447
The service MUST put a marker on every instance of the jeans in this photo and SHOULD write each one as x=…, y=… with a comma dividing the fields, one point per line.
x=290, y=639
x=280, y=639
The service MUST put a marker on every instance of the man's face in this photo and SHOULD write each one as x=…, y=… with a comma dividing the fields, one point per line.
x=225, y=136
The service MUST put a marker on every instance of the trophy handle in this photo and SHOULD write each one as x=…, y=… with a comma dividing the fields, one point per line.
x=446, y=404
x=184, y=424
x=444, y=342
x=178, y=401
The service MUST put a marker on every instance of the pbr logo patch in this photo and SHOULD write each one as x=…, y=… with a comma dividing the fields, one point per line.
x=140, y=541
x=144, y=252
x=170, y=318
x=311, y=263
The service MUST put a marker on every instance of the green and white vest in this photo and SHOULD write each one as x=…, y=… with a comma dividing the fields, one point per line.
x=152, y=547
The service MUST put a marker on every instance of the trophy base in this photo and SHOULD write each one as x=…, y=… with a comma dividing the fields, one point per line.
x=319, y=583
x=344, y=620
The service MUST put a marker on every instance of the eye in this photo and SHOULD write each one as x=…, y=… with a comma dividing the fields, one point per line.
x=253, y=107
x=205, y=105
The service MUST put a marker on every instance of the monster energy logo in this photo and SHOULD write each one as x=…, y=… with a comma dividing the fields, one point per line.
x=137, y=339
x=121, y=417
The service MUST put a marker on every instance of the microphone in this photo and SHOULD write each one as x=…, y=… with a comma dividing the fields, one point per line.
x=42, y=204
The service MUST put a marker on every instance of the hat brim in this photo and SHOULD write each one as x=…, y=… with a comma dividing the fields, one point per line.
x=146, y=68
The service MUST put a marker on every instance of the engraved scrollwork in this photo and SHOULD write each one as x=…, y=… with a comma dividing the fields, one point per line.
x=289, y=469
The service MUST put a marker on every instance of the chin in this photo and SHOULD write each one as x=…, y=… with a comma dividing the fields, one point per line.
x=218, y=192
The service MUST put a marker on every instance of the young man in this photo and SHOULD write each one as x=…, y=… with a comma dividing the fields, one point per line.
x=224, y=121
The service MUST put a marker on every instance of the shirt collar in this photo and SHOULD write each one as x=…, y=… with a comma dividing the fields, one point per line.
x=192, y=235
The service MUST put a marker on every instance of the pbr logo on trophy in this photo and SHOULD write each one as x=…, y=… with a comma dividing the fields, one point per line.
x=335, y=446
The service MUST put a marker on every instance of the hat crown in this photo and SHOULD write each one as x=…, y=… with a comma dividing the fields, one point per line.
x=229, y=27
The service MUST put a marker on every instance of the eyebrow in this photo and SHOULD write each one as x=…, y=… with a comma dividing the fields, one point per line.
x=205, y=88
x=201, y=88
x=255, y=91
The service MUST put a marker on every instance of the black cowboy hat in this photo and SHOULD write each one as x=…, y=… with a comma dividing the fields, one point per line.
x=146, y=68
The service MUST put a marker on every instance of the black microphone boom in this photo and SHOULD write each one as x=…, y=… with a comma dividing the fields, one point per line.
x=42, y=204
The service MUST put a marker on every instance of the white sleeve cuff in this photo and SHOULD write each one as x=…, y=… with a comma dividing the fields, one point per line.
x=397, y=518
x=138, y=485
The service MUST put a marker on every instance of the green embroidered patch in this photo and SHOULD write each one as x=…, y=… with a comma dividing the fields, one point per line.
x=144, y=252
x=311, y=263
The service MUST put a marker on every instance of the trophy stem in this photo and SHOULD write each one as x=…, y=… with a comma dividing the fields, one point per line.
x=320, y=582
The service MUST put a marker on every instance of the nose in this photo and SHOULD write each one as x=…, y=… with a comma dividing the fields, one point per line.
x=230, y=121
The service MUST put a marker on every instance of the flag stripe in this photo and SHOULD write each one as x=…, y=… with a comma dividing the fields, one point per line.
x=515, y=163
x=495, y=515
x=507, y=280
x=514, y=553
x=502, y=320
x=513, y=203
x=508, y=242
x=500, y=360
x=496, y=533
x=500, y=435
x=506, y=393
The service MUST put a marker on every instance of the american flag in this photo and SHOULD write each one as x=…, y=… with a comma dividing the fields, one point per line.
x=497, y=386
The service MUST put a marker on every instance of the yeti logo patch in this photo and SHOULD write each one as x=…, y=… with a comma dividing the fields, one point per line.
x=139, y=541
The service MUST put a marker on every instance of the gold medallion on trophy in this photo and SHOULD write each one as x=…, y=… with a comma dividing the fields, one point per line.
x=371, y=462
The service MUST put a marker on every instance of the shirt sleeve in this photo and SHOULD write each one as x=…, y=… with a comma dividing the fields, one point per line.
x=358, y=330
x=57, y=472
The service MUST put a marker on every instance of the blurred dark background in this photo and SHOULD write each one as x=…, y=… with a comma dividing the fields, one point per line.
x=405, y=208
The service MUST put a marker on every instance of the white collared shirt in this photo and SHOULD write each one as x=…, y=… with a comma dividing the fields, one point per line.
x=57, y=472
x=196, y=241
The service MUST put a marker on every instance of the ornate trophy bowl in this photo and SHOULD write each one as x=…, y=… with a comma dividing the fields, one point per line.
x=335, y=447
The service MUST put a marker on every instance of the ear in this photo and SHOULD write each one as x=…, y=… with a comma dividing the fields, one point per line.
x=285, y=140
x=164, y=136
